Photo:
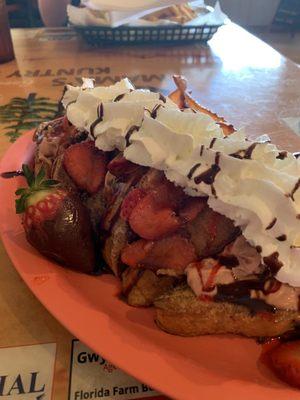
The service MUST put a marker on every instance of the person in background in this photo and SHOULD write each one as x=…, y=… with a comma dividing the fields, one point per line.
x=54, y=12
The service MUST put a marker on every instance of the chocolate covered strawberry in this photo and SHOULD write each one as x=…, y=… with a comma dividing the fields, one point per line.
x=56, y=223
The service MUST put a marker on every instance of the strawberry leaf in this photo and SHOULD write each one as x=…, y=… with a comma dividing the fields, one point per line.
x=20, y=191
x=20, y=205
x=40, y=177
x=35, y=185
x=50, y=182
x=29, y=175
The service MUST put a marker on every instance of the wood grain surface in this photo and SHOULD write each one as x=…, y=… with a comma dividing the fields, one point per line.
x=236, y=75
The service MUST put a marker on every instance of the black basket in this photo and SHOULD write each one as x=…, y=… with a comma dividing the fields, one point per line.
x=133, y=35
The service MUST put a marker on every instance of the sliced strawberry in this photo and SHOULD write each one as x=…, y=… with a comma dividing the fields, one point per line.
x=172, y=252
x=284, y=360
x=167, y=195
x=150, y=221
x=154, y=215
x=192, y=207
x=130, y=202
x=151, y=179
x=86, y=165
x=210, y=232
x=119, y=166
x=133, y=254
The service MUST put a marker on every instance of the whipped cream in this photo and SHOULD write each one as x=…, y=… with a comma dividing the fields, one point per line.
x=250, y=182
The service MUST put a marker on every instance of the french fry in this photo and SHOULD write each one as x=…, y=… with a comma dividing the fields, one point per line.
x=176, y=13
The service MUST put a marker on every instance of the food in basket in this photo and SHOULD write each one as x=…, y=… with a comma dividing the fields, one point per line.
x=111, y=15
x=193, y=217
x=180, y=14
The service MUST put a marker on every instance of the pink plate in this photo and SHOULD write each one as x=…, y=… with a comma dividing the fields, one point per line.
x=208, y=367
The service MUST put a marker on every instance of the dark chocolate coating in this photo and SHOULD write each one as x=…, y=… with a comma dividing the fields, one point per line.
x=68, y=238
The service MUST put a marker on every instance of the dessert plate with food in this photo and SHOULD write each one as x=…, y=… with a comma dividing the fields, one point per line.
x=163, y=238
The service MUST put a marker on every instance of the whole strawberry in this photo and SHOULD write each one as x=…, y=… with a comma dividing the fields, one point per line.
x=56, y=223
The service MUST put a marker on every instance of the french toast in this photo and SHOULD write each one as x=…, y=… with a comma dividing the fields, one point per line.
x=160, y=179
x=180, y=312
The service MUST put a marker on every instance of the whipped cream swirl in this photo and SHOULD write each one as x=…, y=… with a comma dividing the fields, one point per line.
x=250, y=182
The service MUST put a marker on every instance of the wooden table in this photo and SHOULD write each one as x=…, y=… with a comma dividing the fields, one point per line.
x=237, y=76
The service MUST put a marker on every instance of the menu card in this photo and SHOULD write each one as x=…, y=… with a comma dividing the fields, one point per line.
x=93, y=377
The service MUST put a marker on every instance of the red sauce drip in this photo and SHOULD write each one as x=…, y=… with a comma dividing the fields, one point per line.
x=209, y=285
x=273, y=285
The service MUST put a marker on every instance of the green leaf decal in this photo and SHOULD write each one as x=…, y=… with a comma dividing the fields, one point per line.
x=22, y=114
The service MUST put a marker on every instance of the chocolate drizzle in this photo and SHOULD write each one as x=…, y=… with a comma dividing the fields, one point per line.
x=162, y=98
x=273, y=263
x=239, y=292
x=271, y=286
x=211, y=145
x=209, y=175
x=153, y=113
x=282, y=155
x=119, y=97
x=192, y=170
x=71, y=102
x=229, y=261
x=271, y=224
x=244, y=154
x=238, y=154
x=296, y=187
x=281, y=238
x=130, y=131
x=201, y=149
x=258, y=249
x=213, y=191
x=79, y=137
x=249, y=151
x=100, y=112
x=11, y=174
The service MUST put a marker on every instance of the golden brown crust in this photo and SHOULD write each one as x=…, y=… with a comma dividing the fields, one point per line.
x=114, y=244
x=180, y=312
x=59, y=173
x=145, y=287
